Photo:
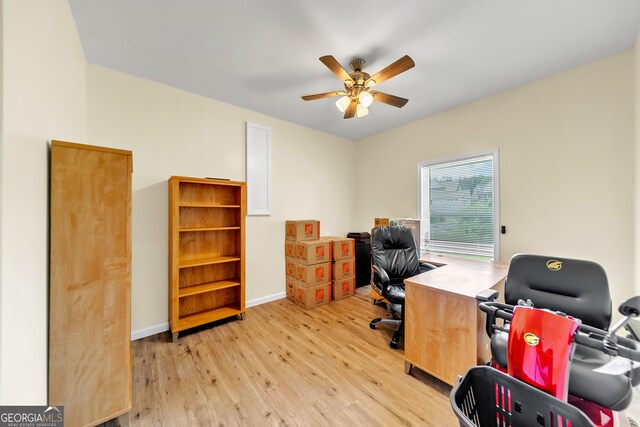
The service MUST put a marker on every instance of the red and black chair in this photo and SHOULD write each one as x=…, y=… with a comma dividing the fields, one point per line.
x=577, y=288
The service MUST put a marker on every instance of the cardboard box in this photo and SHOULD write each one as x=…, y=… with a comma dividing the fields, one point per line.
x=342, y=247
x=290, y=267
x=314, y=296
x=312, y=275
x=343, y=288
x=313, y=251
x=380, y=222
x=343, y=269
x=291, y=287
x=304, y=229
x=289, y=249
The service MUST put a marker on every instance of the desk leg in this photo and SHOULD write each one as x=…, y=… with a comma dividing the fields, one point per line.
x=407, y=367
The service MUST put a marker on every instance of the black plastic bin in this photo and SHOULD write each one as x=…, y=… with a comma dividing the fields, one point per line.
x=363, y=257
x=488, y=397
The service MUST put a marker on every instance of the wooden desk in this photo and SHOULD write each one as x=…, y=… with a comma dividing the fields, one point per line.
x=444, y=330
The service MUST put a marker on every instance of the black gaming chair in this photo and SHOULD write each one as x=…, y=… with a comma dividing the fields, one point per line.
x=580, y=289
x=394, y=258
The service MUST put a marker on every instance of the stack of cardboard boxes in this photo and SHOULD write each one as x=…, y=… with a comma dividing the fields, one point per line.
x=308, y=264
x=343, y=270
x=317, y=267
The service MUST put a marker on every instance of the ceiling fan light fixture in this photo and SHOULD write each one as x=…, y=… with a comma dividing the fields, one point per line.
x=358, y=94
x=365, y=98
x=343, y=103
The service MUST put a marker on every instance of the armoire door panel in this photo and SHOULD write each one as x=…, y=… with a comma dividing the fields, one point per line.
x=90, y=280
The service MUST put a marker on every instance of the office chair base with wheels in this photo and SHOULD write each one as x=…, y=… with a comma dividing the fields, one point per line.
x=394, y=293
x=395, y=339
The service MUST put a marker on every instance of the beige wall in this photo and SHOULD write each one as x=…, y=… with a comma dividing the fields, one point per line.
x=172, y=132
x=44, y=96
x=566, y=166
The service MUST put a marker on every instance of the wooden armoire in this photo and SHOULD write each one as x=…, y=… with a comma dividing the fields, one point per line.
x=90, y=282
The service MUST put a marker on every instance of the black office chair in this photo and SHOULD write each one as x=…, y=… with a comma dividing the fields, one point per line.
x=580, y=289
x=394, y=258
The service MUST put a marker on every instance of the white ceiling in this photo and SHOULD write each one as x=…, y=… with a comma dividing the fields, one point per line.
x=263, y=55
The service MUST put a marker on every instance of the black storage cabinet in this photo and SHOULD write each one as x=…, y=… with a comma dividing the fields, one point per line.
x=363, y=257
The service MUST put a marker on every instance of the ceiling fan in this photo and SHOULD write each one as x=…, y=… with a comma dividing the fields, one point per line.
x=358, y=95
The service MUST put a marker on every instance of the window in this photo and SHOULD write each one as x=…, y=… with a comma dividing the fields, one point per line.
x=458, y=202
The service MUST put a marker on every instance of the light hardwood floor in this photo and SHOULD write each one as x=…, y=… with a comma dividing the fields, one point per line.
x=284, y=365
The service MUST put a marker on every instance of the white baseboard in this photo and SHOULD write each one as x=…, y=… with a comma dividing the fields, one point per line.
x=151, y=330
x=266, y=299
x=162, y=327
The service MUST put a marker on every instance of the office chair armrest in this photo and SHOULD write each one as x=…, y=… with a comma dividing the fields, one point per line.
x=487, y=295
x=382, y=276
x=425, y=266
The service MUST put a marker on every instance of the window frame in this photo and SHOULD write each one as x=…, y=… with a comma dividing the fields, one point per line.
x=495, y=153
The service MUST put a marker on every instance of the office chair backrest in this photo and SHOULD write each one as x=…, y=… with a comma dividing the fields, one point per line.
x=575, y=287
x=394, y=250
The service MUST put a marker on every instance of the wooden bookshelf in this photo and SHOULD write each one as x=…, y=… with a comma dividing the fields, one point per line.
x=206, y=251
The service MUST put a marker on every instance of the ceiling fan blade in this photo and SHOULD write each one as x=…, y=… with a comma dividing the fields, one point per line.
x=335, y=66
x=400, y=66
x=396, y=101
x=323, y=95
x=351, y=110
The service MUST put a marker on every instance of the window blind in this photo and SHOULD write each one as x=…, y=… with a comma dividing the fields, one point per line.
x=458, y=207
